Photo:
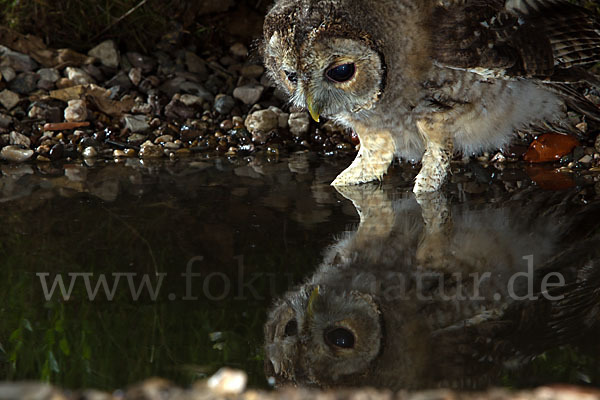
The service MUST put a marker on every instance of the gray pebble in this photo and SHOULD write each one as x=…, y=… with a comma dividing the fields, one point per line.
x=8, y=74
x=76, y=111
x=107, y=53
x=89, y=152
x=18, y=139
x=17, y=61
x=136, y=123
x=8, y=99
x=224, y=104
x=24, y=83
x=248, y=94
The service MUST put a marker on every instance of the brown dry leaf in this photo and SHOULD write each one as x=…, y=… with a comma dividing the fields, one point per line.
x=34, y=47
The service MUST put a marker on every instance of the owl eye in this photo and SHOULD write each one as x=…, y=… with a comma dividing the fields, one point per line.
x=292, y=76
x=340, y=337
x=341, y=73
x=291, y=328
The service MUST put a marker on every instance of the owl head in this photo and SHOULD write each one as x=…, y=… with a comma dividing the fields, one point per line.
x=322, y=55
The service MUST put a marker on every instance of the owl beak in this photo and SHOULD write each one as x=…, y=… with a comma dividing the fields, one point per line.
x=313, y=109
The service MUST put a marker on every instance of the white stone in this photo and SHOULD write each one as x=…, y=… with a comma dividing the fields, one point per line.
x=49, y=74
x=79, y=76
x=228, y=381
x=8, y=74
x=76, y=111
x=136, y=123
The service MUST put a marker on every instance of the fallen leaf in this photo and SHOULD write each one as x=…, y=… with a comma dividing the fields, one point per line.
x=97, y=96
x=550, y=147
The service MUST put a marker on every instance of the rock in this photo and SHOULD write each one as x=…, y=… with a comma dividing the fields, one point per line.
x=5, y=121
x=191, y=100
x=150, y=150
x=17, y=61
x=76, y=111
x=198, y=90
x=239, y=50
x=24, y=83
x=176, y=109
x=145, y=63
x=224, y=104
x=8, y=99
x=95, y=72
x=195, y=64
x=135, y=76
x=121, y=80
x=8, y=74
x=262, y=121
x=163, y=139
x=586, y=159
x=44, y=111
x=252, y=71
x=56, y=152
x=45, y=85
x=227, y=381
x=597, y=144
x=282, y=117
x=248, y=94
x=107, y=53
x=89, y=152
x=78, y=76
x=18, y=139
x=136, y=123
x=15, y=154
x=136, y=138
x=172, y=86
x=49, y=74
x=299, y=123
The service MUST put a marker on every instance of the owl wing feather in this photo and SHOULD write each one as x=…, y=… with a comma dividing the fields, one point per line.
x=531, y=38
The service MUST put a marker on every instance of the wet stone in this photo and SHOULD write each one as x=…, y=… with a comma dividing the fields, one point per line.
x=197, y=90
x=120, y=79
x=42, y=111
x=299, y=123
x=8, y=99
x=107, y=53
x=76, y=111
x=248, y=94
x=15, y=154
x=15, y=60
x=136, y=138
x=224, y=104
x=191, y=100
x=262, y=121
x=150, y=150
x=24, y=83
x=18, y=139
x=89, y=152
x=163, y=139
x=136, y=123
x=56, y=152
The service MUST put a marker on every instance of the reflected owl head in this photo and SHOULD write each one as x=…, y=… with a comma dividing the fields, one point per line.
x=317, y=333
x=321, y=59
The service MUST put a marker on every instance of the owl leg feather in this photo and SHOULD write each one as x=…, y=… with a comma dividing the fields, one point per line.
x=435, y=163
x=373, y=159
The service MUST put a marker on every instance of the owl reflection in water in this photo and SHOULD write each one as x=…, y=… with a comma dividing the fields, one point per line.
x=383, y=310
x=420, y=79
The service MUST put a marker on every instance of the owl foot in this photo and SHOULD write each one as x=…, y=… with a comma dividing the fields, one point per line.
x=434, y=169
x=365, y=168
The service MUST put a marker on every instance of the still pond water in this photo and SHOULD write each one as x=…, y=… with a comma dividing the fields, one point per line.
x=178, y=269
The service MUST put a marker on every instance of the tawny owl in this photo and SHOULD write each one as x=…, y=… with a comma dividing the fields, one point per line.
x=377, y=313
x=421, y=79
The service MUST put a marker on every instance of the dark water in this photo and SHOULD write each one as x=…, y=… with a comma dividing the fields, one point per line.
x=198, y=257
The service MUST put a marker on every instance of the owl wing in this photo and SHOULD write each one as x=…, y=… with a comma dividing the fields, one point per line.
x=545, y=39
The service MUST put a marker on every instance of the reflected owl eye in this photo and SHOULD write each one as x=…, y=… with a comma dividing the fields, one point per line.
x=292, y=76
x=340, y=337
x=341, y=73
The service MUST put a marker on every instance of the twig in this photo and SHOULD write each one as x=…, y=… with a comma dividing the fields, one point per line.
x=121, y=18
